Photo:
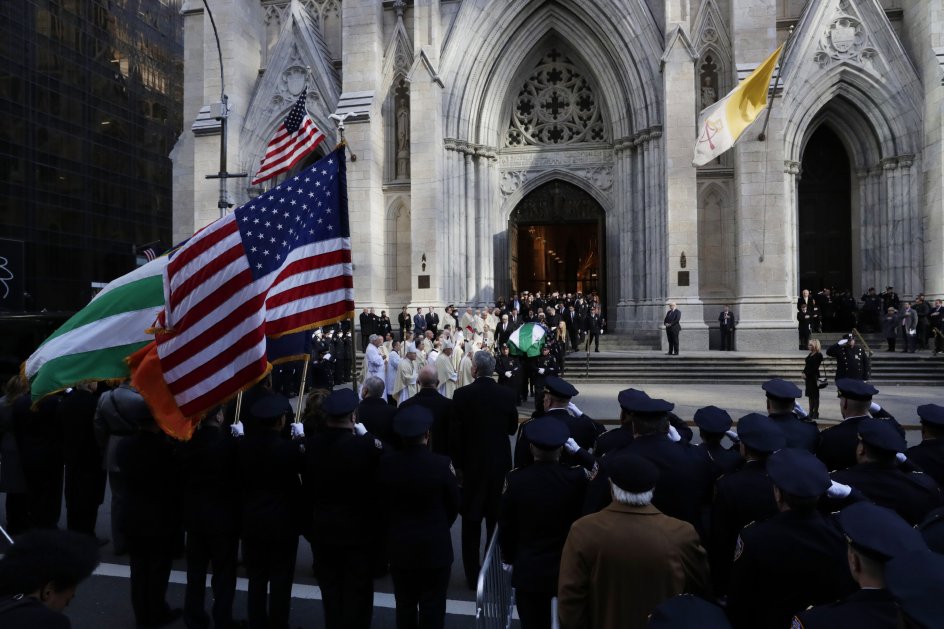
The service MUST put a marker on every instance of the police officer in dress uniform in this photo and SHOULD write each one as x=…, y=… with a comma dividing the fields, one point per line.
x=878, y=477
x=781, y=402
x=875, y=536
x=837, y=447
x=744, y=496
x=916, y=580
x=687, y=611
x=272, y=509
x=929, y=454
x=421, y=502
x=544, y=366
x=793, y=559
x=84, y=474
x=538, y=506
x=508, y=368
x=851, y=361
x=557, y=404
x=713, y=423
x=341, y=463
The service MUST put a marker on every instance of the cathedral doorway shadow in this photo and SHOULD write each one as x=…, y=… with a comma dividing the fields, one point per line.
x=556, y=235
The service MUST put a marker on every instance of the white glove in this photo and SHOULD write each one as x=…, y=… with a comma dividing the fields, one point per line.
x=298, y=430
x=360, y=429
x=571, y=446
x=900, y=457
x=843, y=342
x=572, y=408
x=601, y=330
x=507, y=374
x=838, y=490
x=874, y=408
x=454, y=377
x=541, y=370
x=733, y=436
x=237, y=429
x=327, y=356
x=799, y=410
x=673, y=434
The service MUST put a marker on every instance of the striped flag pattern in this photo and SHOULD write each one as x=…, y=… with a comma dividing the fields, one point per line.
x=295, y=138
x=277, y=265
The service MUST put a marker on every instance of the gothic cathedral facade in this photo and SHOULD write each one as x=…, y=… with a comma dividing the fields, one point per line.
x=510, y=145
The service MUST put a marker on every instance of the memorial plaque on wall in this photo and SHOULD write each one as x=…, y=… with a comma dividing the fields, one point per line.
x=12, y=270
x=422, y=281
x=683, y=278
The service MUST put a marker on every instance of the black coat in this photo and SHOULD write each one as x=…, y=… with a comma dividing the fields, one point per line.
x=799, y=433
x=613, y=440
x=209, y=466
x=150, y=468
x=837, y=445
x=420, y=495
x=811, y=367
x=782, y=566
x=442, y=409
x=726, y=460
x=851, y=362
x=875, y=609
x=272, y=501
x=583, y=430
x=912, y=495
x=538, y=506
x=76, y=414
x=929, y=456
x=377, y=417
x=29, y=613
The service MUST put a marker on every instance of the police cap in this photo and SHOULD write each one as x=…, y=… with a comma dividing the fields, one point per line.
x=558, y=387
x=687, y=611
x=916, y=580
x=782, y=389
x=270, y=406
x=412, y=421
x=645, y=404
x=632, y=473
x=878, y=532
x=626, y=397
x=881, y=434
x=760, y=433
x=339, y=402
x=931, y=414
x=855, y=389
x=547, y=433
x=712, y=419
x=798, y=473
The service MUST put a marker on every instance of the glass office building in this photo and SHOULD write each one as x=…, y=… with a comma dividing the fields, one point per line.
x=90, y=107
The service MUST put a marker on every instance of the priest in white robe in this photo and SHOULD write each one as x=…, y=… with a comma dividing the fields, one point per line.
x=407, y=372
x=446, y=371
x=373, y=359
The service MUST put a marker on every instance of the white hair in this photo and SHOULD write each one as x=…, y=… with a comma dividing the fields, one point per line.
x=629, y=498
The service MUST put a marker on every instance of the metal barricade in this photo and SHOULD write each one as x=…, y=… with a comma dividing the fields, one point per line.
x=494, y=596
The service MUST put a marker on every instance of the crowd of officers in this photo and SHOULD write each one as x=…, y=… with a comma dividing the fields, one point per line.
x=790, y=525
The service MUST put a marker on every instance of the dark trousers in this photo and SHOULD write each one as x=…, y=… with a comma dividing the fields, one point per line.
x=910, y=341
x=727, y=340
x=481, y=503
x=421, y=597
x=573, y=338
x=804, y=338
x=85, y=490
x=812, y=394
x=219, y=549
x=345, y=576
x=938, y=341
x=270, y=565
x=150, y=559
x=119, y=491
x=43, y=499
x=672, y=333
x=594, y=335
x=534, y=608
x=891, y=343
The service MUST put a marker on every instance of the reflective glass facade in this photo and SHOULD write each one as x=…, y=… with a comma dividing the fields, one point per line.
x=90, y=107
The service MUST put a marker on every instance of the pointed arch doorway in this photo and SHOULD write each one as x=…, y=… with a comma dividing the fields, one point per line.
x=557, y=235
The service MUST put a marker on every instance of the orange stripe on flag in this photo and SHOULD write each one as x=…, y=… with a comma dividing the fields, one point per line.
x=148, y=378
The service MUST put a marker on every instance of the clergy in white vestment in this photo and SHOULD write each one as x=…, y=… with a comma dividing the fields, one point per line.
x=393, y=361
x=446, y=371
x=407, y=371
x=466, y=322
x=373, y=359
x=465, y=366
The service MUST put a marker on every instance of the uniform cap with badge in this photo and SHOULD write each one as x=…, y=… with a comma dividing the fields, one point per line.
x=546, y=433
x=642, y=403
x=339, y=403
x=558, y=387
x=270, y=407
x=713, y=419
x=878, y=532
x=782, y=389
x=798, y=473
x=855, y=389
x=931, y=414
x=631, y=472
x=412, y=421
x=627, y=396
x=881, y=434
x=760, y=433
x=687, y=611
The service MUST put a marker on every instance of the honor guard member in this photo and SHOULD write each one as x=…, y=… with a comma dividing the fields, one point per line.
x=272, y=509
x=929, y=454
x=557, y=404
x=340, y=481
x=544, y=367
x=781, y=400
x=851, y=361
x=916, y=580
x=713, y=423
x=421, y=502
x=837, y=446
x=744, y=496
x=875, y=535
x=687, y=611
x=877, y=476
x=539, y=504
x=622, y=435
x=793, y=559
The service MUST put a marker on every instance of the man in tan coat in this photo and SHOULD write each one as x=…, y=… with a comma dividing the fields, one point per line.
x=620, y=563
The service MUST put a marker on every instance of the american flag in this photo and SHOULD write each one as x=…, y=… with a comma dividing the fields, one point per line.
x=294, y=139
x=277, y=265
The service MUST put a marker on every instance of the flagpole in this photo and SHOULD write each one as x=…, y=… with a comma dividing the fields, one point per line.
x=353, y=357
x=301, y=389
x=762, y=136
x=239, y=406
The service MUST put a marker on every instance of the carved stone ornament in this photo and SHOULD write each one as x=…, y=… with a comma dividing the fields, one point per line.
x=511, y=180
x=845, y=39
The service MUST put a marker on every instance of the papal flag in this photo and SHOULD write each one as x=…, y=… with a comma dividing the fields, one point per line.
x=721, y=124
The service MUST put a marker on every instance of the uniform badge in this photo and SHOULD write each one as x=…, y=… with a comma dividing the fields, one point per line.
x=739, y=548
x=378, y=444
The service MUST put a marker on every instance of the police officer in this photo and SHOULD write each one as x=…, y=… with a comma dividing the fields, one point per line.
x=508, y=368
x=744, y=496
x=793, y=559
x=272, y=509
x=557, y=404
x=916, y=580
x=340, y=474
x=851, y=361
x=781, y=402
x=538, y=506
x=875, y=536
x=929, y=454
x=621, y=436
x=713, y=423
x=878, y=477
x=543, y=367
x=837, y=447
x=421, y=502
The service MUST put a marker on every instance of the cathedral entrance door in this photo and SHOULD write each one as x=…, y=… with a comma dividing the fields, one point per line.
x=825, y=214
x=556, y=235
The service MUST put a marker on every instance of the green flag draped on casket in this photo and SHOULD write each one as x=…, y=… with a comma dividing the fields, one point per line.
x=527, y=340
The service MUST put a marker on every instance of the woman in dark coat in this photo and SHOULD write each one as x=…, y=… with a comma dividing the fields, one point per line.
x=811, y=376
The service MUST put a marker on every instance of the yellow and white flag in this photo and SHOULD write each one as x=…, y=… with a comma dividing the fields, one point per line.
x=721, y=124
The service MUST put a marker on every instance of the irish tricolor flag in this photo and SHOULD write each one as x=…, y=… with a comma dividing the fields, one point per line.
x=721, y=124
x=527, y=340
x=95, y=342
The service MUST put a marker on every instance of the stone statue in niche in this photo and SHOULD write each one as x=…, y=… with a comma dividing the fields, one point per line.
x=403, y=132
x=709, y=81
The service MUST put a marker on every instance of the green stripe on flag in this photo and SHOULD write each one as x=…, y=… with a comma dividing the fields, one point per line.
x=65, y=371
